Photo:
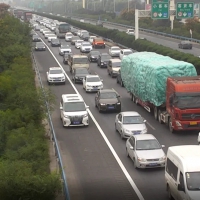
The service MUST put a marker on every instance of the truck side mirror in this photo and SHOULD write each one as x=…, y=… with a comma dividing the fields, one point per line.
x=170, y=100
x=180, y=188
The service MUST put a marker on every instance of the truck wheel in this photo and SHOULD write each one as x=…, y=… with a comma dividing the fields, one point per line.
x=169, y=193
x=133, y=98
x=121, y=83
x=155, y=112
x=171, y=129
x=159, y=117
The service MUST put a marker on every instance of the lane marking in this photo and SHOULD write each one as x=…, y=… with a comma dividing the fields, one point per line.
x=132, y=183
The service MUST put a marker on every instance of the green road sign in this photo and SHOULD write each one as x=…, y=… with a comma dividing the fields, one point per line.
x=184, y=10
x=160, y=10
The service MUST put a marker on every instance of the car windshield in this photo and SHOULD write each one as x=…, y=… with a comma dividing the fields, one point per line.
x=48, y=32
x=85, y=34
x=105, y=57
x=108, y=95
x=51, y=35
x=82, y=71
x=80, y=60
x=98, y=40
x=193, y=180
x=65, y=47
x=147, y=144
x=73, y=107
x=95, y=53
x=35, y=36
x=40, y=44
x=93, y=79
x=69, y=34
x=55, y=40
x=115, y=48
x=55, y=71
x=79, y=41
x=131, y=31
x=116, y=64
x=133, y=120
x=75, y=38
x=86, y=44
x=127, y=52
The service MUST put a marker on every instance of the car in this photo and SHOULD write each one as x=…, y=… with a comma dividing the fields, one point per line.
x=103, y=59
x=37, y=28
x=82, y=20
x=85, y=36
x=145, y=151
x=52, y=27
x=124, y=53
x=40, y=46
x=114, y=51
x=64, y=48
x=130, y=123
x=85, y=47
x=68, y=36
x=73, y=110
x=79, y=74
x=78, y=43
x=46, y=33
x=185, y=45
x=90, y=40
x=98, y=42
x=99, y=23
x=52, y=36
x=130, y=31
x=55, y=42
x=43, y=29
x=36, y=38
x=74, y=39
x=66, y=57
x=113, y=67
x=93, y=56
x=119, y=78
x=55, y=75
x=107, y=100
x=92, y=83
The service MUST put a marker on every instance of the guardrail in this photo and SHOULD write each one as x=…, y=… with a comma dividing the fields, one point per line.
x=144, y=30
x=52, y=134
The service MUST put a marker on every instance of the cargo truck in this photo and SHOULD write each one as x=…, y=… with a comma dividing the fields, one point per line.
x=27, y=16
x=168, y=88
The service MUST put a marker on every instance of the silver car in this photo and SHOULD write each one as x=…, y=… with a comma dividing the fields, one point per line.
x=114, y=51
x=130, y=123
x=145, y=151
x=64, y=49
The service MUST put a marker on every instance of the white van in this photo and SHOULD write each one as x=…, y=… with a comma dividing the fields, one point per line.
x=182, y=172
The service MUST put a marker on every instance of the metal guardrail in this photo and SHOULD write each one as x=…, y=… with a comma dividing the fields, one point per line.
x=145, y=30
x=52, y=134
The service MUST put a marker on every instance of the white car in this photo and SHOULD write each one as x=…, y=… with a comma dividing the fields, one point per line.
x=85, y=47
x=53, y=27
x=55, y=75
x=47, y=34
x=92, y=83
x=45, y=30
x=68, y=36
x=145, y=151
x=114, y=51
x=130, y=32
x=82, y=20
x=78, y=43
x=64, y=48
x=91, y=39
x=130, y=123
x=73, y=110
x=50, y=37
x=124, y=53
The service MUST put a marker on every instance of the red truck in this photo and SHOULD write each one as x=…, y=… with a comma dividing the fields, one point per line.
x=168, y=88
x=27, y=16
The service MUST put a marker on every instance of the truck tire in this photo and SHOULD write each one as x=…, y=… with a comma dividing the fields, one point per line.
x=171, y=129
x=155, y=113
x=169, y=193
x=159, y=117
x=133, y=98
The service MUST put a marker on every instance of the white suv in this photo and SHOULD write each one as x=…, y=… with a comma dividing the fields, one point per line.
x=92, y=83
x=55, y=75
x=73, y=110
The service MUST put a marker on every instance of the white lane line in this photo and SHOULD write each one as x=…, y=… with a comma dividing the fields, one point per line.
x=104, y=136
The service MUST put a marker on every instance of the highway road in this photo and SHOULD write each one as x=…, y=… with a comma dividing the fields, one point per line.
x=91, y=169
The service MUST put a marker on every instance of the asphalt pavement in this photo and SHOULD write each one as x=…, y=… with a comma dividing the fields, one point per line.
x=92, y=170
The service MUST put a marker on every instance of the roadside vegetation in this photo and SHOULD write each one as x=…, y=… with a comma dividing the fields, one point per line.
x=24, y=150
x=129, y=41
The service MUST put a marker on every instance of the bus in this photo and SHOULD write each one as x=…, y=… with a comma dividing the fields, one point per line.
x=61, y=29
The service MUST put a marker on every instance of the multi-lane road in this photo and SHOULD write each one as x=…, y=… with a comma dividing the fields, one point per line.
x=95, y=159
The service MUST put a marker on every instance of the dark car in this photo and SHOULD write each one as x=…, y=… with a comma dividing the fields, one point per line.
x=39, y=46
x=119, y=78
x=36, y=38
x=73, y=40
x=66, y=57
x=79, y=74
x=93, y=56
x=55, y=43
x=99, y=23
x=85, y=36
x=103, y=60
x=108, y=100
x=185, y=45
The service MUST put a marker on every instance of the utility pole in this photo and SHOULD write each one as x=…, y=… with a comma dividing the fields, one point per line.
x=83, y=3
x=172, y=7
x=136, y=24
x=114, y=6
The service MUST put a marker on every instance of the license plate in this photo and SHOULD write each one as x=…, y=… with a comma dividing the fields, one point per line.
x=136, y=133
x=111, y=107
x=153, y=164
x=76, y=122
x=193, y=123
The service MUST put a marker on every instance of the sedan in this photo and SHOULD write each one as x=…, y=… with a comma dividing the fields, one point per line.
x=79, y=74
x=114, y=51
x=68, y=36
x=36, y=38
x=107, y=100
x=52, y=36
x=93, y=56
x=85, y=47
x=39, y=46
x=63, y=49
x=55, y=43
x=92, y=83
x=145, y=151
x=55, y=75
x=78, y=43
x=185, y=45
x=130, y=123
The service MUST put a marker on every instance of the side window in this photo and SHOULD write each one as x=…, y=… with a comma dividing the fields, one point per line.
x=132, y=142
x=61, y=102
x=121, y=52
x=181, y=180
x=171, y=169
x=120, y=117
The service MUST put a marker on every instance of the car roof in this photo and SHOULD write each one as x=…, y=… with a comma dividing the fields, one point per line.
x=114, y=47
x=72, y=98
x=54, y=68
x=91, y=76
x=79, y=56
x=106, y=90
x=144, y=137
x=104, y=54
x=130, y=113
x=115, y=60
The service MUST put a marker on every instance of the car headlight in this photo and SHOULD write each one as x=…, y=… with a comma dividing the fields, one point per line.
x=66, y=116
x=102, y=104
x=88, y=85
x=118, y=103
x=163, y=158
x=127, y=131
x=62, y=77
x=144, y=131
x=76, y=77
x=36, y=47
x=141, y=159
x=92, y=56
x=86, y=115
x=178, y=123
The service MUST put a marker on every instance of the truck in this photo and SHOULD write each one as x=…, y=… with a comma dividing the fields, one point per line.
x=165, y=87
x=27, y=15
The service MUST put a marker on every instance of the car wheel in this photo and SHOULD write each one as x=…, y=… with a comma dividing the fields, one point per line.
x=169, y=193
x=121, y=135
x=48, y=83
x=127, y=154
x=171, y=129
x=135, y=163
x=116, y=128
x=117, y=80
x=99, y=108
x=104, y=46
x=95, y=104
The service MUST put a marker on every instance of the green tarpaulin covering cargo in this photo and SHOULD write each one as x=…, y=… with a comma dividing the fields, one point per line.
x=145, y=73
